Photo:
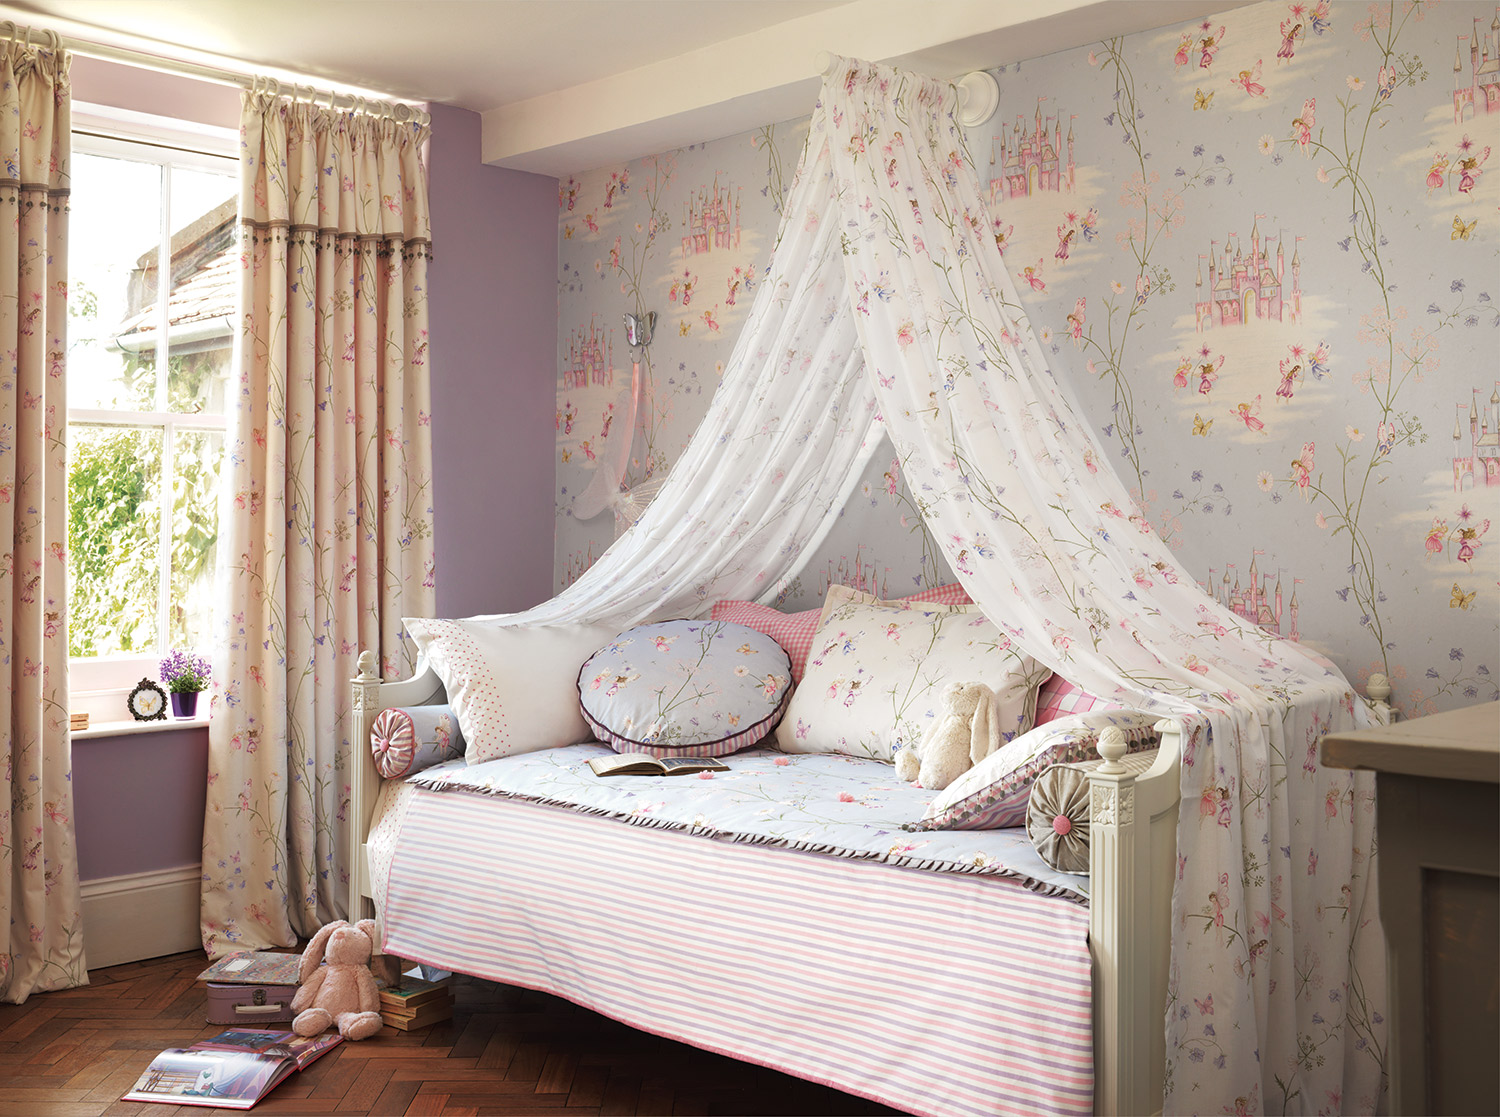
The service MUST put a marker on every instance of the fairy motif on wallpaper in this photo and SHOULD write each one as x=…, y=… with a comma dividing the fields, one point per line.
x=1302, y=126
x=1468, y=540
x=1249, y=80
x=1288, y=378
x=1248, y=413
x=1291, y=31
x=1437, y=536
x=1469, y=164
x=1065, y=235
x=1184, y=49
x=1302, y=467
x=1076, y=319
x=1209, y=45
x=1321, y=18
x=1208, y=371
x=1436, y=174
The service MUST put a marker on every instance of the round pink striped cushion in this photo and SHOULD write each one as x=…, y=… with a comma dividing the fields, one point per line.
x=404, y=740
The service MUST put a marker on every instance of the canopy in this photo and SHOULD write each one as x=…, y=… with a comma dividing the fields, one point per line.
x=887, y=305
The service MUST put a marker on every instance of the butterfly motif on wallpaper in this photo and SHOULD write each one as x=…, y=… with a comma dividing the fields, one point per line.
x=1462, y=231
x=1202, y=100
x=1201, y=425
x=1461, y=600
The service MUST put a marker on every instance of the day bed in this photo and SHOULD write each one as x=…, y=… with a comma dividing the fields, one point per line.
x=1133, y=824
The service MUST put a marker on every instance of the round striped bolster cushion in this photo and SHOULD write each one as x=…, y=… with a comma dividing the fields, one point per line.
x=404, y=740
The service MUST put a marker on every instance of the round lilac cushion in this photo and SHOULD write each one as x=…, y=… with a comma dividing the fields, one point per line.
x=685, y=688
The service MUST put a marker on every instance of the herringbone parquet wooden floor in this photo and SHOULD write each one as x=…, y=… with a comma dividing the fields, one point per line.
x=506, y=1051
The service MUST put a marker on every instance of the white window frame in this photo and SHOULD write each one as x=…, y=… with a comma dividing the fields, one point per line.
x=99, y=685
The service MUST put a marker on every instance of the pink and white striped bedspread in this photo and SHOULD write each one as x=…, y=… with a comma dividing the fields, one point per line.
x=938, y=993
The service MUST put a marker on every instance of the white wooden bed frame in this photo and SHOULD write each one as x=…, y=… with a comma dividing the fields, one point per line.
x=1132, y=862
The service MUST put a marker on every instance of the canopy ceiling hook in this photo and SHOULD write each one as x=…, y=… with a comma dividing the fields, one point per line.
x=978, y=98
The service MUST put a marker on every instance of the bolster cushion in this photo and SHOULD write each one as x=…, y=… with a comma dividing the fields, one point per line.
x=406, y=739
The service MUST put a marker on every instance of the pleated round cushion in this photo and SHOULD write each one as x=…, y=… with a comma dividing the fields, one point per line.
x=404, y=740
x=1057, y=813
x=685, y=688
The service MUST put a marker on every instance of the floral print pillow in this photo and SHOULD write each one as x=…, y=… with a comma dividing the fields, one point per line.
x=685, y=688
x=875, y=678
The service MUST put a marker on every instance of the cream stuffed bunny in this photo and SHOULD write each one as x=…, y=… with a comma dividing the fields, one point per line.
x=965, y=732
x=342, y=992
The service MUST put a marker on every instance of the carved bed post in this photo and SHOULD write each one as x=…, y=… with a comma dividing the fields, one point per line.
x=1132, y=835
x=364, y=782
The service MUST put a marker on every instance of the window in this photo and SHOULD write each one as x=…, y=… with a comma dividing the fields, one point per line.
x=153, y=293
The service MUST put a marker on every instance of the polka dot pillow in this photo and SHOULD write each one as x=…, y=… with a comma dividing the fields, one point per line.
x=513, y=688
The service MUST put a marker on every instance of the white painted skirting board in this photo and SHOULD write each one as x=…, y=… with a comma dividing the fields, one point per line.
x=141, y=915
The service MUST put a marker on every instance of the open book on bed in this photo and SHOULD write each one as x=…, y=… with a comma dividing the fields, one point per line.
x=640, y=764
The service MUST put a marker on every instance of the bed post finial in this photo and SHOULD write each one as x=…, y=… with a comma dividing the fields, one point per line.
x=367, y=667
x=1112, y=747
x=1378, y=689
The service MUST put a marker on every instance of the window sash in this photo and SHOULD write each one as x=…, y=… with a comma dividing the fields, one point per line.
x=111, y=675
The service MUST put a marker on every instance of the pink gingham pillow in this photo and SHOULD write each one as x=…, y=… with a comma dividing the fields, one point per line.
x=1059, y=698
x=794, y=631
x=993, y=794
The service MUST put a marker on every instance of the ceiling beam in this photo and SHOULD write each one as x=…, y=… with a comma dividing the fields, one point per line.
x=768, y=75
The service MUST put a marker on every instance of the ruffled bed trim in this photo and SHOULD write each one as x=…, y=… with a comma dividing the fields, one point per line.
x=930, y=865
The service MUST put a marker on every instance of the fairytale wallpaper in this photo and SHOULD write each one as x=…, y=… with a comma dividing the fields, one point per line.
x=1260, y=248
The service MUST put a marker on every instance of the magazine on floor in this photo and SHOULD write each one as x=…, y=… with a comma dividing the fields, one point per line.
x=231, y=1070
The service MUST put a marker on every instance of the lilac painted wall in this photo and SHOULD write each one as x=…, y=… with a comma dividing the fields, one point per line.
x=138, y=801
x=493, y=305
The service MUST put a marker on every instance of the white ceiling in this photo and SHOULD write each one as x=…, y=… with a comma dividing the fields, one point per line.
x=568, y=85
x=476, y=54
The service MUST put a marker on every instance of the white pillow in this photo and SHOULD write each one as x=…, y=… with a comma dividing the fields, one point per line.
x=875, y=678
x=514, y=688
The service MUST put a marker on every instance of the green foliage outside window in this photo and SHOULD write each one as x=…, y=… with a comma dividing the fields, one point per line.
x=114, y=480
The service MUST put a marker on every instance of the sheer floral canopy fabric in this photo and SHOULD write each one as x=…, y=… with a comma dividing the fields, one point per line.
x=886, y=305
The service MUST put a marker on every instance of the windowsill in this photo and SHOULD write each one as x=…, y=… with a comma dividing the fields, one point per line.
x=130, y=728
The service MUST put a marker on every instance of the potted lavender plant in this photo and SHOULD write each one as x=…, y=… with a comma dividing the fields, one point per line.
x=185, y=674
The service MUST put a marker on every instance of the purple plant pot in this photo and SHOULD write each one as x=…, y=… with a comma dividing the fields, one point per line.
x=185, y=704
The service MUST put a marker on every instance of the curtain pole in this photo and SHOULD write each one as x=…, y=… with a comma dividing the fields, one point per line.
x=218, y=75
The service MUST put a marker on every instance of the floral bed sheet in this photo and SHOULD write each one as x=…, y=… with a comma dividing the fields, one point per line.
x=839, y=805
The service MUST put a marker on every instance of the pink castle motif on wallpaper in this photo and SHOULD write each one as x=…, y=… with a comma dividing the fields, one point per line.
x=1243, y=285
x=1259, y=603
x=1478, y=91
x=590, y=358
x=1031, y=162
x=1483, y=458
x=710, y=220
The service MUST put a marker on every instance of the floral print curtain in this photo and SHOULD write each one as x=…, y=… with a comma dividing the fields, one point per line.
x=40, y=911
x=326, y=515
x=887, y=303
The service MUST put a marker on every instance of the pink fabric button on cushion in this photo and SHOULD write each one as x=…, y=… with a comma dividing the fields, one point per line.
x=1062, y=824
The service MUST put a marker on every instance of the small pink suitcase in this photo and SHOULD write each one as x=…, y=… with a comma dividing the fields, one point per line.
x=252, y=1005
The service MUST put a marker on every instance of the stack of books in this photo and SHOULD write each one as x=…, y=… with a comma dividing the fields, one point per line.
x=77, y=722
x=416, y=1003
